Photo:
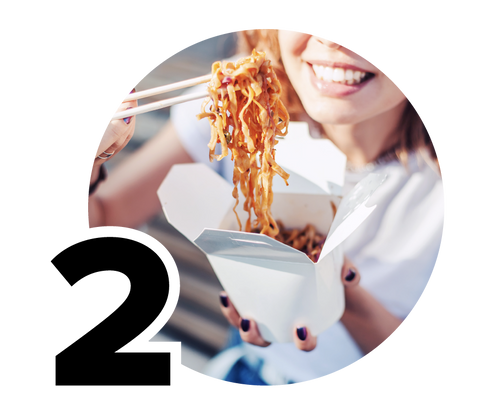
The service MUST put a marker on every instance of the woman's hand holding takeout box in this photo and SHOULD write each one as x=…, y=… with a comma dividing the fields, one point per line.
x=249, y=330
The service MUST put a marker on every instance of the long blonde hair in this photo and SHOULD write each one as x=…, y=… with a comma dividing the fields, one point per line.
x=413, y=135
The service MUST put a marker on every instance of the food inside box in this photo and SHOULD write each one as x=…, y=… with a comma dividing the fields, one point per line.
x=308, y=239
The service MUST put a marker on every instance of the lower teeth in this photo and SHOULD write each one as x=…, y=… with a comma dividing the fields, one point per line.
x=350, y=82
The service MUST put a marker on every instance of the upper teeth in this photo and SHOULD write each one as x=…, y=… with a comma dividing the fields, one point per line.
x=347, y=76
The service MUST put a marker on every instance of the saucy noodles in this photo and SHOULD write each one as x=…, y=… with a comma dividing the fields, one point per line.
x=245, y=115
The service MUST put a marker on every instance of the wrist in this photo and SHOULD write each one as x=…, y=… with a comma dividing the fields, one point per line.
x=94, y=172
x=99, y=174
x=356, y=299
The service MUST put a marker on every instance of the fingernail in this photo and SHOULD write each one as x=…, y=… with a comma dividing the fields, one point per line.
x=133, y=90
x=302, y=333
x=245, y=324
x=350, y=275
x=223, y=300
x=127, y=120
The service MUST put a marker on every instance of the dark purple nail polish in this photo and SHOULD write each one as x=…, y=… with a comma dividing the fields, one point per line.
x=245, y=325
x=302, y=333
x=223, y=300
x=127, y=120
x=350, y=275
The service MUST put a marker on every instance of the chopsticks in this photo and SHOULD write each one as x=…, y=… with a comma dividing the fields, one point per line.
x=166, y=102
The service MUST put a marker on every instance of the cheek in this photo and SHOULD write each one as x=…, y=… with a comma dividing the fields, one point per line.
x=390, y=96
x=292, y=42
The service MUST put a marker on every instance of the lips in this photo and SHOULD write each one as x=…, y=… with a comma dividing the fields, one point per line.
x=338, y=79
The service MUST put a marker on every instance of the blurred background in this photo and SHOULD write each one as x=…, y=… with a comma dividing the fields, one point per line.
x=197, y=321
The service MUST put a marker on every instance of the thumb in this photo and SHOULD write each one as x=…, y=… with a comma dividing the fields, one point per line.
x=350, y=274
x=118, y=132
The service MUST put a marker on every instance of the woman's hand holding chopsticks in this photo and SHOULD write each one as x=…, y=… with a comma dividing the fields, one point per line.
x=115, y=134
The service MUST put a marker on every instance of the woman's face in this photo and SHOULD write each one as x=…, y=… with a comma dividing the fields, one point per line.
x=335, y=85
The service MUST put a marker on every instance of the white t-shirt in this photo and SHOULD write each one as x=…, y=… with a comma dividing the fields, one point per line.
x=394, y=249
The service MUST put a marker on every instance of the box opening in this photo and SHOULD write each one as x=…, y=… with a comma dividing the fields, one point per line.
x=294, y=211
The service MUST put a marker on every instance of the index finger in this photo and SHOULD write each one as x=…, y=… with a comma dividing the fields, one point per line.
x=350, y=274
x=228, y=310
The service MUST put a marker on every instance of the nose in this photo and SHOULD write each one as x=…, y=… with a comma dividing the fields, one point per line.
x=327, y=43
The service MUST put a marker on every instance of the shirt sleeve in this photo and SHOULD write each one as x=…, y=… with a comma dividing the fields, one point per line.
x=396, y=247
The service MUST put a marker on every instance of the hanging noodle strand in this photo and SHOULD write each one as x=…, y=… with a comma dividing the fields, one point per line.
x=245, y=115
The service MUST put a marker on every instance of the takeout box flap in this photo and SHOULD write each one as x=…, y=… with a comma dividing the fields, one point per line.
x=315, y=165
x=247, y=247
x=194, y=197
x=352, y=211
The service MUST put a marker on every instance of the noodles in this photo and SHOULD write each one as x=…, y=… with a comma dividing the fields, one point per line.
x=308, y=240
x=245, y=115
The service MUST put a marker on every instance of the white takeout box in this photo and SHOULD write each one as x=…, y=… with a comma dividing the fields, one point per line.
x=277, y=286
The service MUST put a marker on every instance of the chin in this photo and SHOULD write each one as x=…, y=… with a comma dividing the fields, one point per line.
x=325, y=114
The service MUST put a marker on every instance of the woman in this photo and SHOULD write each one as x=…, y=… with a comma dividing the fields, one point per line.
x=347, y=100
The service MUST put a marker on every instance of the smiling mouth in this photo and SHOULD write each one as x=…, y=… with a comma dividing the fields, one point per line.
x=341, y=75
